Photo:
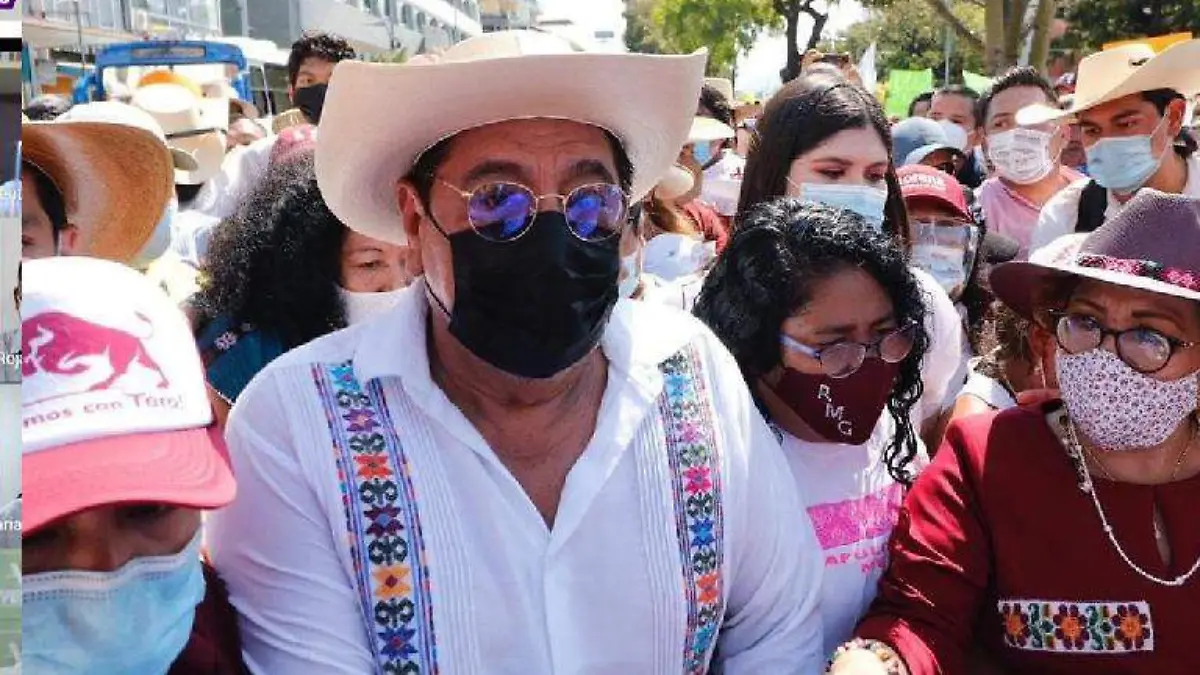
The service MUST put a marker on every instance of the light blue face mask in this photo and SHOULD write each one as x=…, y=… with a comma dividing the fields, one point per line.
x=702, y=153
x=866, y=201
x=160, y=239
x=1124, y=164
x=137, y=619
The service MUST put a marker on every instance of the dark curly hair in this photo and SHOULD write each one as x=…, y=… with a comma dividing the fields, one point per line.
x=276, y=262
x=781, y=251
x=808, y=111
x=317, y=45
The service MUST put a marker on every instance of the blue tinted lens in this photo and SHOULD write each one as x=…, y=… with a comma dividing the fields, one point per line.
x=500, y=211
x=596, y=212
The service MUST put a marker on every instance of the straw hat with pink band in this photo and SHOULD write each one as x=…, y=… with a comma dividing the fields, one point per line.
x=113, y=399
x=1152, y=245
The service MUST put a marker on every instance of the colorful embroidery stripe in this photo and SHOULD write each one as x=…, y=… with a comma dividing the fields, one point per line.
x=854, y=520
x=1077, y=627
x=1149, y=269
x=382, y=520
x=696, y=484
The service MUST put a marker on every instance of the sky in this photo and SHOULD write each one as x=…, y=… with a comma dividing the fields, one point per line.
x=758, y=71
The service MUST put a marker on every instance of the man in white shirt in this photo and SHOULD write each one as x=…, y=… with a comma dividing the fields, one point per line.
x=511, y=472
x=1130, y=105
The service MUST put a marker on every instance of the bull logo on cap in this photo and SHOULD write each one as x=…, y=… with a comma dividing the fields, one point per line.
x=57, y=343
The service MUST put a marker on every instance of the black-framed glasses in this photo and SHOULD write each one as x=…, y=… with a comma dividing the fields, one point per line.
x=845, y=358
x=501, y=211
x=1143, y=349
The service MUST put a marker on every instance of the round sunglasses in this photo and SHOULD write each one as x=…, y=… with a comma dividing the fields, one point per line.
x=1143, y=349
x=501, y=211
x=845, y=358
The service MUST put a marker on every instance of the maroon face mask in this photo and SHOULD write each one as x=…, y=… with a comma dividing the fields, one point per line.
x=840, y=411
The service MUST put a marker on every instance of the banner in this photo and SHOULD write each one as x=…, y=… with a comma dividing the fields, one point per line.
x=1158, y=44
x=866, y=68
x=980, y=83
x=904, y=86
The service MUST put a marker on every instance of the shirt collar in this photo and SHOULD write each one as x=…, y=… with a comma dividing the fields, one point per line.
x=638, y=338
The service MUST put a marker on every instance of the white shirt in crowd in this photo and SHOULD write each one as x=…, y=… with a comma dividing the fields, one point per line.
x=1061, y=213
x=943, y=371
x=988, y=389
x=722, y=186
x=853, y=503
x=602, y=591
x=240, y=172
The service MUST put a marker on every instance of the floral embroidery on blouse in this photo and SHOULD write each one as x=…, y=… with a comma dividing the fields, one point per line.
x=1077, y=627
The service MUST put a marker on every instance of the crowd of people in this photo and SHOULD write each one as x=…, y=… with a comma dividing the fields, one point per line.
x=475, y=364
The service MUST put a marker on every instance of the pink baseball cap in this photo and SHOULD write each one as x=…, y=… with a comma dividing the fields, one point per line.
x=918, y=182
x=113, y=400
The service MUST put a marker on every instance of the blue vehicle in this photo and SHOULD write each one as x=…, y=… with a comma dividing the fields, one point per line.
x=164, y=54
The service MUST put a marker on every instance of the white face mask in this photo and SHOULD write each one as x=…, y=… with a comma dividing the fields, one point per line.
x=362, y=306
x=1022, y=156
x=946, y=264
x=865, y=200
x=670, y=256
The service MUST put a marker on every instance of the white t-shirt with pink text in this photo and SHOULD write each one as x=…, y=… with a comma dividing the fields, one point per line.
x=853, y=504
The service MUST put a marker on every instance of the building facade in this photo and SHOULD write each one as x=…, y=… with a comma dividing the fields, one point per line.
x=87, y=24
x=507, y=14
x=372, y=26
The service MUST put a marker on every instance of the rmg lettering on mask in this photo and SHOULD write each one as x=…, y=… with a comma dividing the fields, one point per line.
x=835, y=412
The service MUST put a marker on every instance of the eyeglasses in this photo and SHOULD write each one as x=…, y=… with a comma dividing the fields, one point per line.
x=845, y=358
x=1143, y=349
x=502, y=212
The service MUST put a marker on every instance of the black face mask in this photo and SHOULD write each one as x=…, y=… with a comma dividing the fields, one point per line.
x=310, y=100
x=534, y=306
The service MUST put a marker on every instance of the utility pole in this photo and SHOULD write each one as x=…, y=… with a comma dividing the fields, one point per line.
x=79, y=35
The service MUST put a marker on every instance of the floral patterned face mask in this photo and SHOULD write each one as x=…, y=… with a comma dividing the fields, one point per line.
x=1118, y=408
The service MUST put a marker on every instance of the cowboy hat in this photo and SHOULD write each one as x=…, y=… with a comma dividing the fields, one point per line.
x=221, y=89
x=706, y=129
x=379, y=118
x=1153, y=244
x=1115, y=73
x=724, y=86
x=87, y=154
x=193, y=126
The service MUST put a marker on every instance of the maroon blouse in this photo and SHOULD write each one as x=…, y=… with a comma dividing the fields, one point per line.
x=998, y=549
x=215, y=647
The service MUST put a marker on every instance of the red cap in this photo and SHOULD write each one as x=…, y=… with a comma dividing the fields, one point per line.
x=918, y=182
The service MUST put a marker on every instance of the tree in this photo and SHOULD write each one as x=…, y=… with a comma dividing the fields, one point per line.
x=1095, y=22
x=641, y=34
x=790, y=11
x=726, y=27
x=1007, y=25
x=910, y=35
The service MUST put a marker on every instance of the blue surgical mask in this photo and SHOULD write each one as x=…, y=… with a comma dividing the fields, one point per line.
x=160, y=239
x=1124, y=164
x=137, y=619
x=868, y=202
x=702, y=153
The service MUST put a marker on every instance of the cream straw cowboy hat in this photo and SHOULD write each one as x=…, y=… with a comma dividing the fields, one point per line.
x=193, y=126
x=379, y=118
x=1115, y=73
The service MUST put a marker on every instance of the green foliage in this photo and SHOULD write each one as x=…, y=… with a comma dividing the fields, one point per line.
x=911, y=36
x=726, y=27
x=1095, y=22
x=641, y=34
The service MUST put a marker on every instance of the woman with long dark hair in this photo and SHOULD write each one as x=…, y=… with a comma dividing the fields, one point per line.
x=283, y=271
x=824, y=139
x=827, y=324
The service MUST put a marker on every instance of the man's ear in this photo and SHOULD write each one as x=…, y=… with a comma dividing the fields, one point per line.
x=68, y=240
x=412, y=209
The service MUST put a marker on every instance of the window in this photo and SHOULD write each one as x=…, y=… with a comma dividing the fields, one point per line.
x=406, y=16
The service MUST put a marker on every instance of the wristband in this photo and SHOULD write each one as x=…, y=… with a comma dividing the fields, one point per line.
x=886, y=655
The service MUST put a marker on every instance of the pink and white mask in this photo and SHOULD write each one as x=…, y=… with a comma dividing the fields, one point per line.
x=1118, y=408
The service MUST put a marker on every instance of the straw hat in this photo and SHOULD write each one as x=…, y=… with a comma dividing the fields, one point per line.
x=722, y=85
x=1153, y=244
x=193, y=125
x=676, y=183
x=378, y=118
x=221, y=89
x=706, y=129
x=87, y=153
x=1115, y=73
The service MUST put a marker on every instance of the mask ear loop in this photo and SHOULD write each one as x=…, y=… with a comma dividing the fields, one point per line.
x=426, y=213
